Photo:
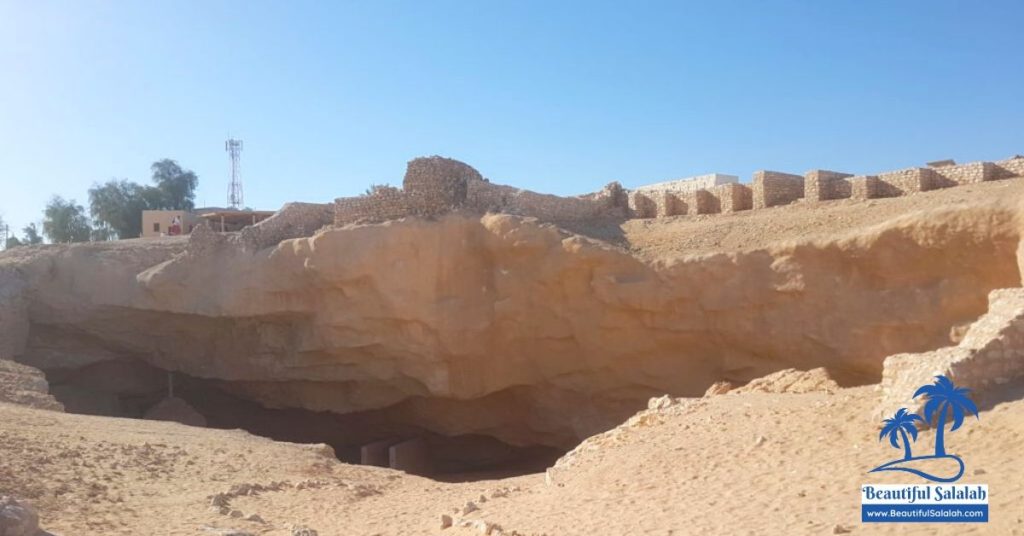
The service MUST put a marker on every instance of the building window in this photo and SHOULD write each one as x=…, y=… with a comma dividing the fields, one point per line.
x=156, y=227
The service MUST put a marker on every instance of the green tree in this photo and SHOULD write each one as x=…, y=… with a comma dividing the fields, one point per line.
x=177, y=185
x=32, y=236
x=65, y=221
x=102, y=233
x=12, y=242
x=118, y=205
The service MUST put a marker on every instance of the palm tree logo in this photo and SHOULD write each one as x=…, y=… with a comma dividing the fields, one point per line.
x=898, y=427
x=944, y=401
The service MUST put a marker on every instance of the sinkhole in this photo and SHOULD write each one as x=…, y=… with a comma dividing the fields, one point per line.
x=131, y=388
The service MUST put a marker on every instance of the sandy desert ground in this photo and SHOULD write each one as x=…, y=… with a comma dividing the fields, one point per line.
x=748, y=463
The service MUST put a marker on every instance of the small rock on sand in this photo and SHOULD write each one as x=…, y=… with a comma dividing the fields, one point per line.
x=17, y=518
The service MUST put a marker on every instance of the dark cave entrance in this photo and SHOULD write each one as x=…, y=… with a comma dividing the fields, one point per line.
x=131, y=388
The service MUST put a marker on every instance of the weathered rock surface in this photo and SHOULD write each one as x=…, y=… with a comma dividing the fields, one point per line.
x=505, y=327
x=989, y=359
x=20, y=384
x=17, y=518
x=791, y=381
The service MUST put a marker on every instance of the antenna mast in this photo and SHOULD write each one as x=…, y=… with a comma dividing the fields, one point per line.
x=234, y=149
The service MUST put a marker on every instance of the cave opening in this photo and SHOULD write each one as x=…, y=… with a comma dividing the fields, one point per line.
x=131, y=388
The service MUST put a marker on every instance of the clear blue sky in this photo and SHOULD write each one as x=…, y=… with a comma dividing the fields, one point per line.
x=559, y=97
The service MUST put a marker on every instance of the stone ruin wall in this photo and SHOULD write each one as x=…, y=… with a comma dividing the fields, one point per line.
x=721, y=199
x=772, y=188
x=437, y=185
x=824, y=185
x=294, y=220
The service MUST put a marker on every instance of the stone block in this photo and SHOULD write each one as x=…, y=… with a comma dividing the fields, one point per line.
x=377, y=453
x=772, y=188
x=412, y=456
x=824, y=185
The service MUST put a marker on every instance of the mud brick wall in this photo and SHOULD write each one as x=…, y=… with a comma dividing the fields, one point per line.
x=824, y=185
x=772, y=188
x=907, y=181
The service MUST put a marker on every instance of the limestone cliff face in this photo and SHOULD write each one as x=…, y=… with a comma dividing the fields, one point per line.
x=505, y=327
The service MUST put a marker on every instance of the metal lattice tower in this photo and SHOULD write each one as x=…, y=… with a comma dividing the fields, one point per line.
x=234, y=149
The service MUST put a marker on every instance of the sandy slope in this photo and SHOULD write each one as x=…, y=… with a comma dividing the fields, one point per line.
x=750, y=463
x=682, y=235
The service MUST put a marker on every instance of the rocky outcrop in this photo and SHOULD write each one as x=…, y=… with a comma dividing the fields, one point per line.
x=17, y=518
x=26, y=386
x=791, y=381
x=504, y=327
x=988, y=359
x=13, y=313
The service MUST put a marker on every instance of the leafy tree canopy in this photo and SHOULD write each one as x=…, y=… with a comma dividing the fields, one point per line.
x=32, y=235
x=65, y=221
x=118, y=205
x=177, y=185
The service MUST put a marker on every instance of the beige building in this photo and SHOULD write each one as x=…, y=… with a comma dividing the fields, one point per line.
x=181, y=222
x=167, y=222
